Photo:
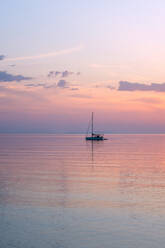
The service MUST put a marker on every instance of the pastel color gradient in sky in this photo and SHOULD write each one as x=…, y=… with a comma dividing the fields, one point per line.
x=61, y=60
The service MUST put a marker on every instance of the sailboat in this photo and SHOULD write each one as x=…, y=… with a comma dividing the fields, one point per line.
x=94, y=136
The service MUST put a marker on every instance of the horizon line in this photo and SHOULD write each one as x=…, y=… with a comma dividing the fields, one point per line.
x=78, y=133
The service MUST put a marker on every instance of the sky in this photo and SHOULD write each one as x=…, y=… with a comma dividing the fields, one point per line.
x=61, y=60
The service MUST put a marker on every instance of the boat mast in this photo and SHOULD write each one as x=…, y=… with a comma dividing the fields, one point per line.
x=92, y=124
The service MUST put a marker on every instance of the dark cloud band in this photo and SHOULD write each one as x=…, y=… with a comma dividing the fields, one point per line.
x=7, y=77
x=2, y=56
x=128, y=86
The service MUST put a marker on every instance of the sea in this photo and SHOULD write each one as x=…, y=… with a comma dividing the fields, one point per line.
x=61, y=191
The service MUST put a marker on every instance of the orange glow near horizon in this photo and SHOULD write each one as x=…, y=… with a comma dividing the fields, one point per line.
x=74, y=106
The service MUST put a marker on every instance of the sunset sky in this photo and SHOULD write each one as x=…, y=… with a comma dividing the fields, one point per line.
x=61, y=60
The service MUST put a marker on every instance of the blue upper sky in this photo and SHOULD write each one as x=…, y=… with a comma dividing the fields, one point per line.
x=110, y=32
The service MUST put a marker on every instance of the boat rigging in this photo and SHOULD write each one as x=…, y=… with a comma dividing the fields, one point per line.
x=94, y=136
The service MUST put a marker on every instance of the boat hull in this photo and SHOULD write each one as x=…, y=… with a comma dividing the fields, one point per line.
x=95, y=138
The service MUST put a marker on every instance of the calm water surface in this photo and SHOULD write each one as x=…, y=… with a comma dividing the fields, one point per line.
x=60, y=191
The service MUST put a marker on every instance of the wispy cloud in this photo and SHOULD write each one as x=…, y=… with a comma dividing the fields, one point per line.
x=114, y=66
x=128, y=86
x=13, y=65
x=147, y=100
x=54, y=74
x=74, y=88
x=99, y=66
x=35, y=85
x=60, y=84
x=41, y=85
x=80, y=96
x=65, y=73
x=7, y=77
x=15, y=91
x=111, y=87
x=2, y=56
x=46, y=55
x=4, y=89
